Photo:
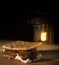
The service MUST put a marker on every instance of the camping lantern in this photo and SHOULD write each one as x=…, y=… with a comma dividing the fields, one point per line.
x=43, y=30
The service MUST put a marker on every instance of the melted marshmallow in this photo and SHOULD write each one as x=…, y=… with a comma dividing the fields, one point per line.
x=19, y=58
x=3, y=50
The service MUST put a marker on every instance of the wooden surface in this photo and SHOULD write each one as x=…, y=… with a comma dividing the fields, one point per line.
x=5, y=61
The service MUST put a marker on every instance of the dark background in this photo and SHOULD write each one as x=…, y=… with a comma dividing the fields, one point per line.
x=15, y=22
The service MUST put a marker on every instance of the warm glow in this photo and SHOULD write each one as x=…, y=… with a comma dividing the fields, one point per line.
x=43, y=36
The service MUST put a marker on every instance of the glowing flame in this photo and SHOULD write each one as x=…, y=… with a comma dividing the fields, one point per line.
x=43, y=36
